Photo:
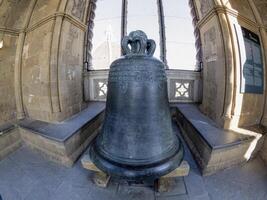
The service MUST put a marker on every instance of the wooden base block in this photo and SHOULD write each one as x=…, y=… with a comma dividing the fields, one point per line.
x=182, y=170
x=88, y=164
x=101, y=179
x=164, y=183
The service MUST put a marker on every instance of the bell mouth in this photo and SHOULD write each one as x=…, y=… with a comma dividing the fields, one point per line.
x=140, y=172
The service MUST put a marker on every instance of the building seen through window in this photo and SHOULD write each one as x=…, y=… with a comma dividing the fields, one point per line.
x=106, y=33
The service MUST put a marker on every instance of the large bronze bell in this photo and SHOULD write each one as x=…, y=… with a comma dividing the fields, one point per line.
x=137, y=141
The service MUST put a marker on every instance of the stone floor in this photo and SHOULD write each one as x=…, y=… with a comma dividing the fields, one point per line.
x=26, y=175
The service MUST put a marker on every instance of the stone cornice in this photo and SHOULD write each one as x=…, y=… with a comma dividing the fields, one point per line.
x=222, y=9
x=9, y=31
x=74, y=21
x=206, y=18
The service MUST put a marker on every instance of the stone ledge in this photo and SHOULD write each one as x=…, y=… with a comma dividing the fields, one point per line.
x=263, y=151
x=10, y=139
x=60, y=132
x=64, y=142
x=4, y=128
x=213, y=148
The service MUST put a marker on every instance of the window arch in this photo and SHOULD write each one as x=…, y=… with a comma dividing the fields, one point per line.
x=169, y=23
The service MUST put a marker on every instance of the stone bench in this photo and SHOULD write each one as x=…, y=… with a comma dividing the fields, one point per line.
x=213, y=148
x=65, y=141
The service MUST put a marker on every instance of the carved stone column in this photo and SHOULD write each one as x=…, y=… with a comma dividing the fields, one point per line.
x=18, y=64
x=89, y=35
x=197, y=36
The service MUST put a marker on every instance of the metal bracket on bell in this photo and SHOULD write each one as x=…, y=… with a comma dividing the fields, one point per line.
x=137, y=43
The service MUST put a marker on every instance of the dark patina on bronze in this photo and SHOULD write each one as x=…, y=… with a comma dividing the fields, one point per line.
x=136, y=141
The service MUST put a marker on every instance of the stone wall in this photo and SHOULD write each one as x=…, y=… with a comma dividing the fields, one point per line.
x=12, y=15
x=213, y=60
x=11, y=21
x=261, y=7
x=52, y=60
x=7, y=58
x=222, y=99
x=35, y=72
x=247, y=108
x=263, y=151
x=71, y=68
x=41, y=62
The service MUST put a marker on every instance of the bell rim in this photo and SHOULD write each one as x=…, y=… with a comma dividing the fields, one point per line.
x=154, y=170
x=133, y=162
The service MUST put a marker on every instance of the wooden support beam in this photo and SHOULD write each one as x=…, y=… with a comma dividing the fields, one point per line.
x=164, y=183
x=182, y=170
x=88, y=164
x=100, y=178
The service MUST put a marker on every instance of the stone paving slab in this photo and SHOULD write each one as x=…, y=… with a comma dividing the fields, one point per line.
x=135, y=193
x=26, y=175
x=180, y=197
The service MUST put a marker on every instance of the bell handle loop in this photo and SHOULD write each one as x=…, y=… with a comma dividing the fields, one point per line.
x=139, y=45
x=124, y=45
x=151, y=47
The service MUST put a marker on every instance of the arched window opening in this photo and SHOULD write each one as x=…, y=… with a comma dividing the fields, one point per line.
x=179, y=31
x=169, y=23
